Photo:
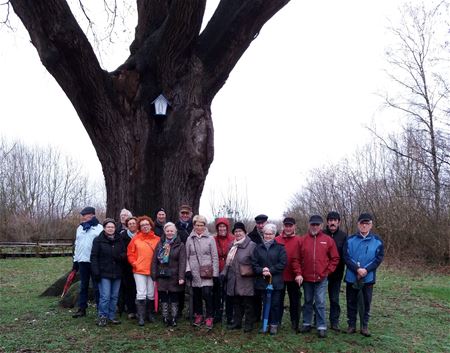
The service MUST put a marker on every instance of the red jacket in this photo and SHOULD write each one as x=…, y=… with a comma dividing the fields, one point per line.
x=292, y=246
x=223, y=244
x=318, y=257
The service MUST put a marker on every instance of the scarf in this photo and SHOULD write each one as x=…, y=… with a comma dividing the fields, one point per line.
x=131, y=235
x=164, y=250
x=233, y=250
x=267, y=244
x=185, y=225
x=92, y=223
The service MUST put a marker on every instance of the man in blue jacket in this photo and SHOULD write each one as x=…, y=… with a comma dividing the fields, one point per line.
x=363, y=253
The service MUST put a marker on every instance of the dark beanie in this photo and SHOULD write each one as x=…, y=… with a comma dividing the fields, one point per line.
x=108, y=220
x=239, y=225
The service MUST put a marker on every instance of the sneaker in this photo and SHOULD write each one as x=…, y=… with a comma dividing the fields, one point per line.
x=322, y=333
x=365, y=332
x=102, y=321
x=114, y=322
x=273, y=329
x=351, y=330
x=209, y=322
x=131, y=316
x=305, y=329
x=198, y=320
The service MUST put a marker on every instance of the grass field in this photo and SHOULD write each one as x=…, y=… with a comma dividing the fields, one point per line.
x=411, y=313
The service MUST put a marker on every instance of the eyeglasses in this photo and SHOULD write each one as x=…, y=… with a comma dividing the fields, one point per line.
x=184, y=212
x=145, y=224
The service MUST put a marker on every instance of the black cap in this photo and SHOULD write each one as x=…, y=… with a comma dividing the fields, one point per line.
x=365, y=217
x=289, y=220
x=315, y=219
x=239, y=225
x=160, y=209
x=261, y=218
x=333, y=215
x=87, y=210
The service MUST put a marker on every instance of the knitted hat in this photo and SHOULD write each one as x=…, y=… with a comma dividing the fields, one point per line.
x=239, y=225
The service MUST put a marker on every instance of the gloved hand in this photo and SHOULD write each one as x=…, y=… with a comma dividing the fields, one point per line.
x=188, y=276
x=216, y=281
x=75, y=266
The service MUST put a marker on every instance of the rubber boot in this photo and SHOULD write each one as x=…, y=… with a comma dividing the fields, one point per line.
x=140, y=311
x=150, y=307
x=174, y=313
x=165, y=313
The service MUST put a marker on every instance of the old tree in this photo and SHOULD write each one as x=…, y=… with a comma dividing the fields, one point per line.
x=147, y=162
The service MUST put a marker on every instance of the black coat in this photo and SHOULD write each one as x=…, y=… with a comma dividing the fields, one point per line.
x=176, y=267
x=107, y=256
x=159, y=229
x=182, y=232
x=275, y=258
x=254, y=236
x=339, y=238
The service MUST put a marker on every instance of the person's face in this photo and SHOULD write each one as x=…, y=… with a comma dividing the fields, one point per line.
x=288, y=229
x=260, y=225
x=170, y=232
x=110, y=228
x=239, y=234
x=185, y=216
x=364, y=227
x=199, y=227
x=132, y=225
x=87, y=217
x=161, y=217
x=145, y=226
x=314, y=228
x=124, y=216
x=269, y=235
x=222, y=230
x=333, y=224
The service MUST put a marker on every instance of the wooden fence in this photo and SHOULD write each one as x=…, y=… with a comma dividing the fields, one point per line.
x=36, y=249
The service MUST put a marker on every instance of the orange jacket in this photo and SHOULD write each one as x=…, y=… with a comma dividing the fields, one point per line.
x=140, y=252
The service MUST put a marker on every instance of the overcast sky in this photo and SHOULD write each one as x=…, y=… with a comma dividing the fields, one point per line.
x=298, y=99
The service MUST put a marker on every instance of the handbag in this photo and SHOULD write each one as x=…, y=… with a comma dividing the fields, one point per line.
x=206, y=271
x=246, y=270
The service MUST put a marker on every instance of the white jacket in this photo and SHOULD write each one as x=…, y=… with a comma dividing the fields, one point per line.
x=83, y=243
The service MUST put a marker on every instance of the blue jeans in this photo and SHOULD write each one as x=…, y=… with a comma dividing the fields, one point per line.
x=315, y=293
x=334, y=288
x=85, y=276
x=109, y=295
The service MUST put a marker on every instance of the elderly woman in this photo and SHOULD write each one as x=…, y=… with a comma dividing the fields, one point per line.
x=128, y=286
x=269, y=260
x=140, y=255
x=168, y=268
x=239, y=278
x=202, y=270
x=107, y=255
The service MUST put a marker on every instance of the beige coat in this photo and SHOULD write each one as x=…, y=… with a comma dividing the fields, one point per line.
x=201, y=249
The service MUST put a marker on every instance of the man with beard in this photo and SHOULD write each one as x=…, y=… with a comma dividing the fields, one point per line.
x=335, y=278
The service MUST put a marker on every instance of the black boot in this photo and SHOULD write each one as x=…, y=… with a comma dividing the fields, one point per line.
x=174, y=313
x=140, y=312
x=79, y=313
x=150, y=307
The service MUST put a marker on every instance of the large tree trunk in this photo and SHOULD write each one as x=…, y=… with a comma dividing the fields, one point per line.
x=148, y=163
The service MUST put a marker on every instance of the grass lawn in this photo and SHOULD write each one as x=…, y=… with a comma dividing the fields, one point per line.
x=411, y=313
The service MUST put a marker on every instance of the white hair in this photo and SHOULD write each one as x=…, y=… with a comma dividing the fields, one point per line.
x=125, y=211
x=270, y=226
x=169, y=224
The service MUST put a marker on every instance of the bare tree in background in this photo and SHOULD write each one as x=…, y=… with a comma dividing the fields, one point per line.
x=231, y=203
x=41, y=193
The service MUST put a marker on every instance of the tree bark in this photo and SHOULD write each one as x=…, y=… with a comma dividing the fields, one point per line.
x=149, y=163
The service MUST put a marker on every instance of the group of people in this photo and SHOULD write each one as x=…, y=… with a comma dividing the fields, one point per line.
x=151, y=264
